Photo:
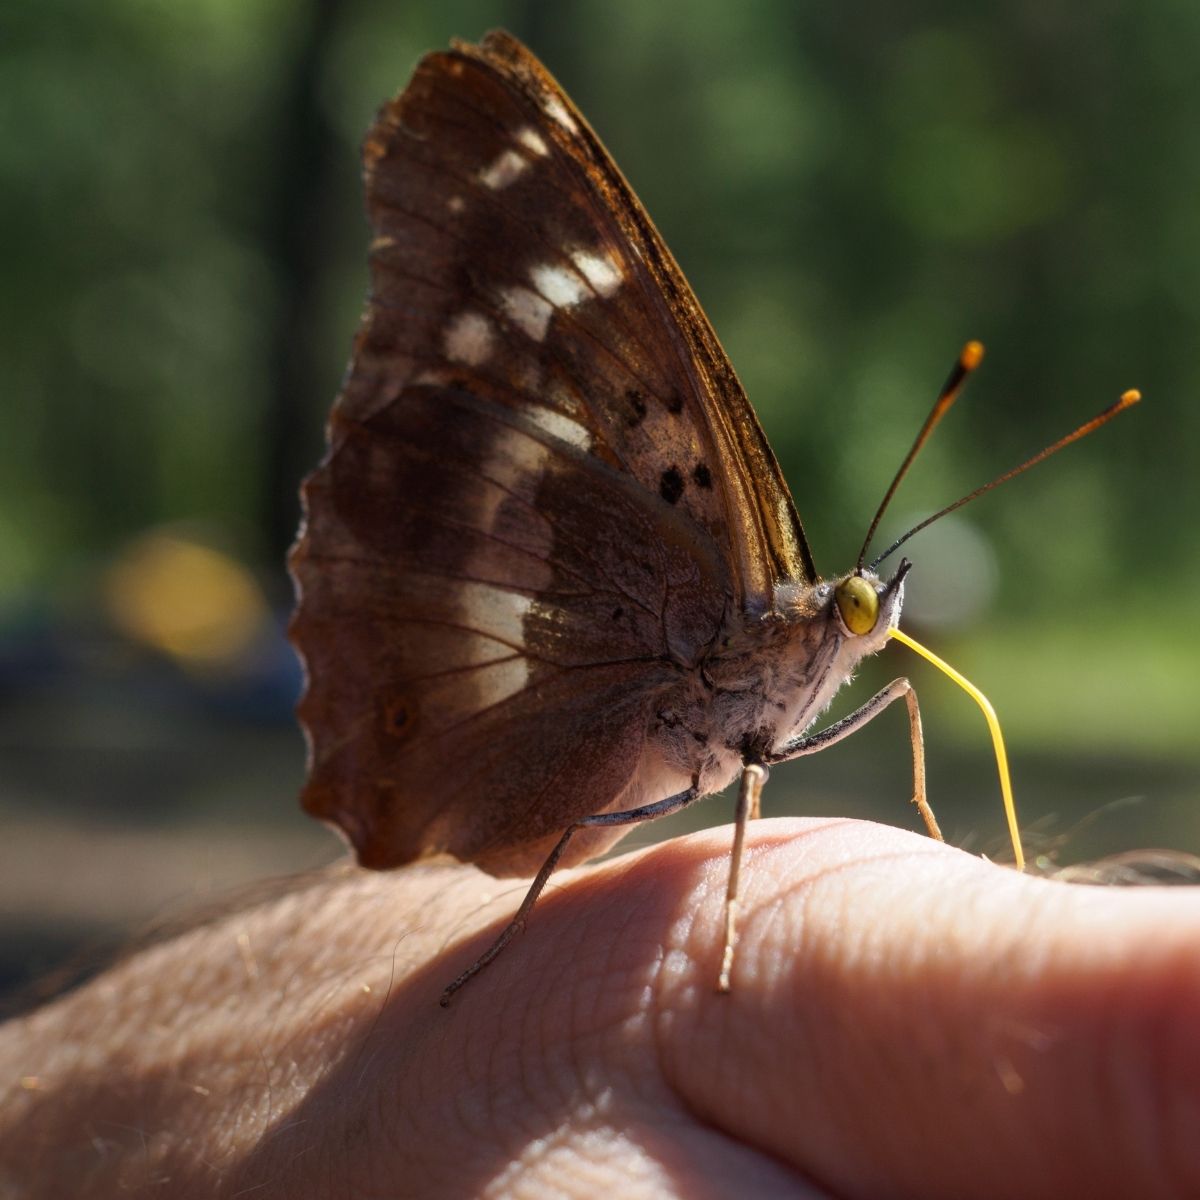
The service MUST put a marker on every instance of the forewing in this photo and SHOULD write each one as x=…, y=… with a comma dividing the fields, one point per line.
x=755, y=520
x=511, y=244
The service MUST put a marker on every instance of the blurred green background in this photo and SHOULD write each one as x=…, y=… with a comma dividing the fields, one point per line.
x=853, y=190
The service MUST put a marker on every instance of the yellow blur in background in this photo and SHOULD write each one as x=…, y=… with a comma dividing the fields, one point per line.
x=191, y=602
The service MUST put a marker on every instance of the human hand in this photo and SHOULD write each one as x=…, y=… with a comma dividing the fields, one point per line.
x=905, y=1020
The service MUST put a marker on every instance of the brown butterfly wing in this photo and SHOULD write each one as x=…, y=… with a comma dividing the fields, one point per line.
x=486, y=615
x=544, y=485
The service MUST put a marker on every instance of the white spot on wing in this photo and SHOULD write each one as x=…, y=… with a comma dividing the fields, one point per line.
x=590, y=274
x=505, y=169
x=496, y=683
x=559, y=425
x=493, y=611
x=468, y=338
x=528, y=310
x=513, y=459
x=532, y=140
x=512, y=466
x=599, y=270
x=562, y=288
x=456, y=204
x=557, y=111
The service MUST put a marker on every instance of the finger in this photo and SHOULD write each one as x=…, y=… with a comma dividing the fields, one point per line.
x=909, y=1020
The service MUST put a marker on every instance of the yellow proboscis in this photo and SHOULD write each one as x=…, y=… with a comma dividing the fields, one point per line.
x=989, y=713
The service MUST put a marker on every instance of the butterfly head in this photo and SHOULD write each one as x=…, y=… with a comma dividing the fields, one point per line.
x=866, y=608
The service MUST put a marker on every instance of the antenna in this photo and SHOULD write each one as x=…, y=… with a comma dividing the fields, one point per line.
x=1127, y=400
x=968, y=360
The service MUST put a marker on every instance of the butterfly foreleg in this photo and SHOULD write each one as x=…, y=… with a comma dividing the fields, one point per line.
x=754, y=775
x=811, y=743
x=632, y=816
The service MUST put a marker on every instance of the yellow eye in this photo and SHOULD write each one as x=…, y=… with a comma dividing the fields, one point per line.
x=858, y=604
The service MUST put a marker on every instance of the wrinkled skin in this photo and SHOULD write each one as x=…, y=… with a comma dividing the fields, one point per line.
x=905, y=1021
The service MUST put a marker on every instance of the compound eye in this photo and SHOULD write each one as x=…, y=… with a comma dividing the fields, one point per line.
x=858, y=604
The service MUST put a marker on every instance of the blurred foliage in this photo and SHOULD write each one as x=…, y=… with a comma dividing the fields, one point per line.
x=854, y=190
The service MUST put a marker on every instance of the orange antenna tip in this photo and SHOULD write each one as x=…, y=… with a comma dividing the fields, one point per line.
x=1130, y=397
x=971, y=356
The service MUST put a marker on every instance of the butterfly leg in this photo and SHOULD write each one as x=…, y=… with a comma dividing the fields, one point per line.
x=811, y=743
x=632, y=816
x=754, y=775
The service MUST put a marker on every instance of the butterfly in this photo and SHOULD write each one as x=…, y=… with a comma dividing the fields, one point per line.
x=551, y=580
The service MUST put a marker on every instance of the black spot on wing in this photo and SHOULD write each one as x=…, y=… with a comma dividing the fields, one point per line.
x=703, y=477
x=670, y=486
x=396, y=714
